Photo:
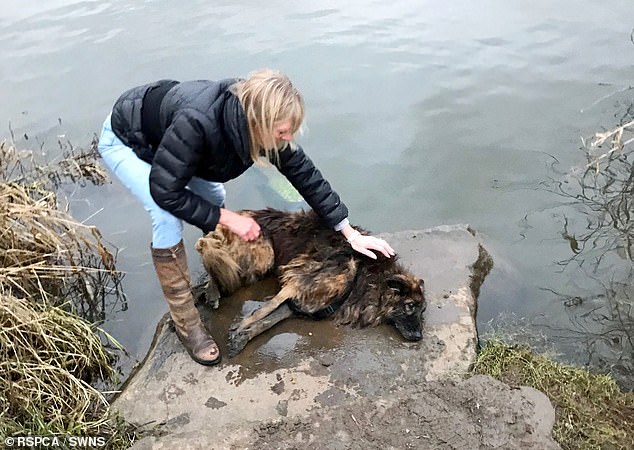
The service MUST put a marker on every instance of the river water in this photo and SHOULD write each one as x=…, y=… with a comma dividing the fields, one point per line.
x=420, y=113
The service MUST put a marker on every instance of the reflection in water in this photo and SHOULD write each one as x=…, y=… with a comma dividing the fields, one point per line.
x=280, y=345
x=600, y=304
x=275, y=348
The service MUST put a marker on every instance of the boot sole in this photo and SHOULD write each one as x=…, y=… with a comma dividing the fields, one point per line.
x=206, y=363
x=203, y=362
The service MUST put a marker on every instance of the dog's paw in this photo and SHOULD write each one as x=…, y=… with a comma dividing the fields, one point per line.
x=235, y=326
x=212, y=293
x=236, y=342
x=239, y=326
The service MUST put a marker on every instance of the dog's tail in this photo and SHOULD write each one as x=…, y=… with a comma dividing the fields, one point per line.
x=219, y=264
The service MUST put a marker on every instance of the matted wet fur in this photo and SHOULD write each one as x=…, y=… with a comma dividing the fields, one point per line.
x=320, y=275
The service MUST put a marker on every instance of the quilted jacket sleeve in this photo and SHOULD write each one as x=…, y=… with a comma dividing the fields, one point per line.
x=297, y=167
x=174, y=165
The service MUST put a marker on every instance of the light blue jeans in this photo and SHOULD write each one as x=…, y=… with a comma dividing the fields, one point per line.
x=134, y=173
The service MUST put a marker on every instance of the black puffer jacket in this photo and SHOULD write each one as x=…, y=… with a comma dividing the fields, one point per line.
x=204, y=134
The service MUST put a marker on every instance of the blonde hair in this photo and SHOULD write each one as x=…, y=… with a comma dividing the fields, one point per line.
x=268, y=98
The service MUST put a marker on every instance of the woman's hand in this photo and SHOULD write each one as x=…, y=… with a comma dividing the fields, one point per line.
x=363, y=244
x=245, y=227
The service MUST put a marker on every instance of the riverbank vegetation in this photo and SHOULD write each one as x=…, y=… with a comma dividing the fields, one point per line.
x=591, y=411
x=55, y=274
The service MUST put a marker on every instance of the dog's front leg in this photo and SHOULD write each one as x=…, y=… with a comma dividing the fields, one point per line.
x=270, y=306
x=240, y=336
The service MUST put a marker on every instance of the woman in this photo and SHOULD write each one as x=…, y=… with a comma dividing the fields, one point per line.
x=173, y=145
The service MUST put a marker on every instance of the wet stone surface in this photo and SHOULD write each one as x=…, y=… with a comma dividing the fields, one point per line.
x=307, y=384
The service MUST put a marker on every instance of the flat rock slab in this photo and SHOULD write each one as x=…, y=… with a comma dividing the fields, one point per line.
x=307, y=384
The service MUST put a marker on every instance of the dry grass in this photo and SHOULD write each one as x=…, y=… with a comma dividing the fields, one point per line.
x=43, y=250
x=48, y=357
x=617, y=145
x=73, y=165
x=52, y=268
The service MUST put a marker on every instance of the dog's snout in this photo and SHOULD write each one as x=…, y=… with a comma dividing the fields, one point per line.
x=416, y=335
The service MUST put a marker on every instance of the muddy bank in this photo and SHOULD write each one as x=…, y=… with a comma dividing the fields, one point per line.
x=477, y=413
x=313, y=385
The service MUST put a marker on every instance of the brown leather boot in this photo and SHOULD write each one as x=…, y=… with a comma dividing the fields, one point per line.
x=173, y=274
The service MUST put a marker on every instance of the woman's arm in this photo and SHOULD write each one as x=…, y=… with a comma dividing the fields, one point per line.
x=309, y=182
x=298, y=168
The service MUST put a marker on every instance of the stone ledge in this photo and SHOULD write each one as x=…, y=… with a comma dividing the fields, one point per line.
x=334, y=367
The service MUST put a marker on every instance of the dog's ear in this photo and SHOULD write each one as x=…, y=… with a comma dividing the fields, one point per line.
x=398, y=283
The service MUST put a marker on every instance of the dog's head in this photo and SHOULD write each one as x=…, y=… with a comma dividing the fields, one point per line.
x=406, y=297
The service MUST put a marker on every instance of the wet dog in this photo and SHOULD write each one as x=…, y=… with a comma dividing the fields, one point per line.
x=320, y=276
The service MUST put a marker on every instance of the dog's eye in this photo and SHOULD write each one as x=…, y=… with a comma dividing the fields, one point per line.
x=409, y=308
